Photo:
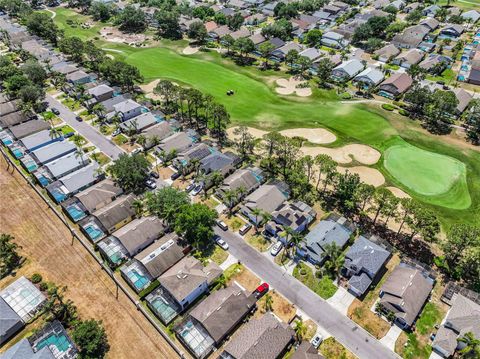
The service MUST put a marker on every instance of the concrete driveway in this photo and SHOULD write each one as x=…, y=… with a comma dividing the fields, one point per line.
x=341, y=300
x=391, y=337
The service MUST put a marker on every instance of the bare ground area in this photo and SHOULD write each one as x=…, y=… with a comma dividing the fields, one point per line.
x=46, y=243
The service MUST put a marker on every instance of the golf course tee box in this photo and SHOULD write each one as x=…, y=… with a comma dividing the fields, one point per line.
x=438, y=179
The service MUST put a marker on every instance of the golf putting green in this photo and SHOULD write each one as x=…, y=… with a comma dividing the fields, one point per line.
x=440, y=179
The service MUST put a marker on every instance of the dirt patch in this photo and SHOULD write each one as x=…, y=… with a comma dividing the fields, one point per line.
x=245, y=278
x=253, y=131
x=190, y=50
x=293, y=85
x=112, y=34
x=281, y=307
x=371, y=322
x=314, y=135
x=398, y=192
x=46, y=243
x=361, y=153
x=368, y=175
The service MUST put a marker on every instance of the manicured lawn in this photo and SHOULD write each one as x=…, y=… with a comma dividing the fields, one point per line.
x=66, y=129
x=324, y=286
x=71, y=104
x=70, y=22
x=120, y=140
x=218, y=255
x=259, y=242
x=431, y=315
x=447, y=76
x=101, y=158
x=332, y=349
x=441, y=179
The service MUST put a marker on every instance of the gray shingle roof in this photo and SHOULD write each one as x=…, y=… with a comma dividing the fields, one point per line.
x=366, y=256
x=306, y=351
x=53, y=151
x=80, y=178
x=23, y=350
x=10, y=321
x=139, y=233
x=116, y=211
x=99, y=195
x=65, y=164
x=29, y=128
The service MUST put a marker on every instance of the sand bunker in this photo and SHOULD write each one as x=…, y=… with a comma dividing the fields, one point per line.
x=293, y=85
x=112, y=34
x=361, y=153
x=398, y=192
x=253, y=131
x=190, y=50
x=313, y=135
x=368, y=175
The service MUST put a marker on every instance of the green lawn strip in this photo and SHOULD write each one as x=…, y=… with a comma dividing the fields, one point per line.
x=414, y=349
x=218, y=255
x=448, y=75
x=70, y=22
x=324, y=286
x=259, y=242
x=430, y=316
x=100, y=158
x=66, y=129
x=120, y=140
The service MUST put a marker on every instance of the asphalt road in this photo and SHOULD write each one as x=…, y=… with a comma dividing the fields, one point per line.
x=89, y=132
x=353, y=337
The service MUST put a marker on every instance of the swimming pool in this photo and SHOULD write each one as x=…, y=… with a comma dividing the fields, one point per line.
x=139, y=280
x=164, y=308
x=43, y=181
x=75, y=212
x=17, y=152
x=58, y=195
x=60, y=342
x=94, y=232
x=159, y=118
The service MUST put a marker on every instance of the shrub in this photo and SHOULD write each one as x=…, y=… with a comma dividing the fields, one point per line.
x=345, y=96
x=36, y=278
x=388, y=107
x=43, y=286
x=149, y=289
x=403, y=112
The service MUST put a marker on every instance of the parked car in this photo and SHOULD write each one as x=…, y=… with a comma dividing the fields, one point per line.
x=136, y=150
x=244, y=229
x=154, y=175
x=116, y=132
x=55, y=111
x=221, y=243
x=261, y=290
x=317, y=340
x=78, y=118
x=222, y=225
x=277, y=247
x=190, y=187
x=150, y=183
x=175, y=175
x=197, y=189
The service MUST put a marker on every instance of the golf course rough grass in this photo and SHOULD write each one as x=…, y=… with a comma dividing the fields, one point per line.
x=439, y=179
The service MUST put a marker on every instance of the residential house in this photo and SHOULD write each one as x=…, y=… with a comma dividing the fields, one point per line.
x=28, y=128
x=280, y=53
x=210, y=322
x=59, y=168
x=334, y=39
x=181, y=286
x=92, y=199
x=473, y=76
x=153, y=261
x=251, y=340
x=23, y=350
x=128, y=109
x=139, y=123
x=39, y=140
x=157, y=132
x=347, y=70
x=109, y=218
x=411, y=7
x=306, y=350
x=224, y=163
x=74, y=182
x=268, y=8
x=195, y=153
x=431, y=10
x=464, y=98
x=242, y=32
x=364, y=262
x=335, y=230
x=452, y=31
x=248, y=179
x=369, y=78
x=64, y=68
x=54, y=336
x=411, y=37
x=296, y=215
x=387, y=53
x=409, y=58
x=131, y=239
x=255, y=19
x=10, y=322
x=471, y=16
x=177, y=142
x=404, y=293
x=311, y=53
x=100, y=93
x=430, y=23
x=24, y=298
x=13, y=119
x=436, y=63
x=52, y=152
x=220, y=32
x=463, y=317
x=395, y=86
x=380, y=4
x=79, y=77
x=397, y=4
x=257, y=39
x=266, y=198
x=109, y=104
x=9, y=107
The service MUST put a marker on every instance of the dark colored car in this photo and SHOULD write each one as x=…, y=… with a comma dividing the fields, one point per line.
x=78, y=118
x=154, y=175
x=174, y=176
x=55, y=111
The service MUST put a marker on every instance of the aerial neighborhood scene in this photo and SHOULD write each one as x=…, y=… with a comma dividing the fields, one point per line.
x=239, y=179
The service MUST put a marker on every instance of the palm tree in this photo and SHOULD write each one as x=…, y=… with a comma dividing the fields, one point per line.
x=268, y=305
x=138, y=207
x=78, y=141
x=257, y=212
x=300, y=330
x=336, y=259
x=472, y=346
x=230, y=197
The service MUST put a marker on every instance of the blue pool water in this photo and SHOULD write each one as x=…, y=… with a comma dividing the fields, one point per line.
x=58, y=195
x=31, y=166
x=145, y=110
x=7, y=141
x=75, y=213
x=159, y=118
x=17, y=153
x=61, y=342
x=461, y=78
x=43, y=181
x=138, y=280
x=93, y=233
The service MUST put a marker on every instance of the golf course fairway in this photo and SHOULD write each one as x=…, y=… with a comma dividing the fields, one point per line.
x=429, y=174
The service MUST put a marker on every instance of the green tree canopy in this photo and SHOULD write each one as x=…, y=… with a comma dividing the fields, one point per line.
x=195, y=223
x=91, y=339
x=130, y=172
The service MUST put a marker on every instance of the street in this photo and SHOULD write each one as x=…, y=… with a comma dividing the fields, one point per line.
x=84, y=129
x=353, y=337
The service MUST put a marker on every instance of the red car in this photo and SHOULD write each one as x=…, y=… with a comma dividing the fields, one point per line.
x=261, y=290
